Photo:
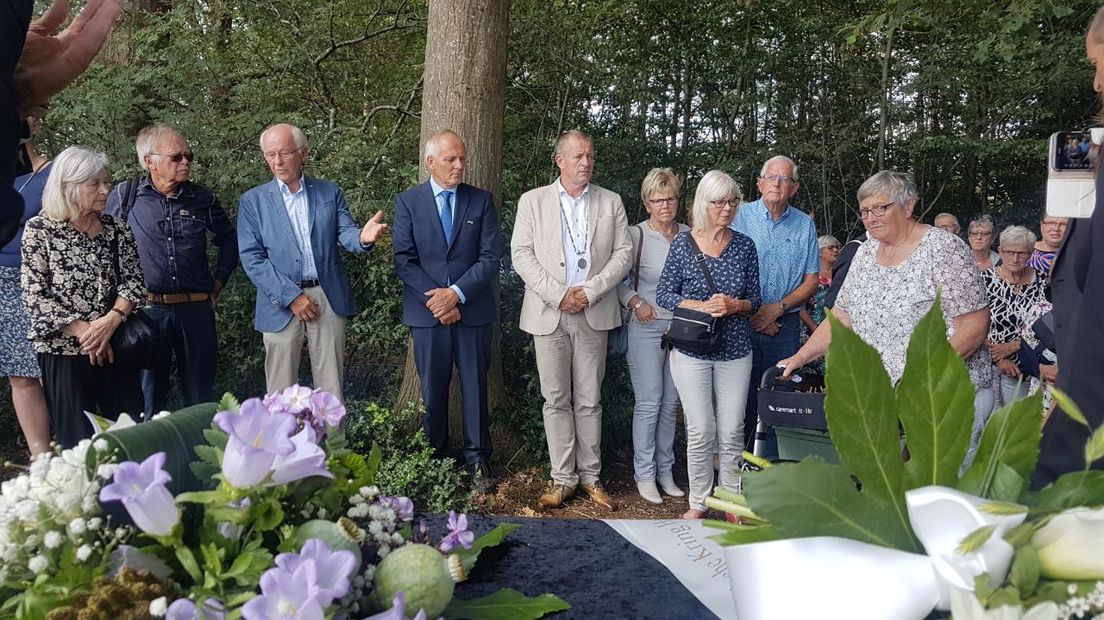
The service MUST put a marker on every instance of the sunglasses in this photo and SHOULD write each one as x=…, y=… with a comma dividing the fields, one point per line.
x=176, y=158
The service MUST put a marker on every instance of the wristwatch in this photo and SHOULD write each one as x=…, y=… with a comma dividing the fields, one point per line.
x=782, y=304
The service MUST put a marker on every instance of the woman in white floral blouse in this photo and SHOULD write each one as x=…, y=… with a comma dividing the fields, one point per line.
x=72, y=298
x=893, y=282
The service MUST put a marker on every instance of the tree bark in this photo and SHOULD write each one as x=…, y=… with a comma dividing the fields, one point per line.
x=464, y=90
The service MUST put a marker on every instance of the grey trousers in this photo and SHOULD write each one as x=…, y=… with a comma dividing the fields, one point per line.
x=656, y=406
x=713, y=398
x=325, y=338
x=983, y=408
x=571, y=362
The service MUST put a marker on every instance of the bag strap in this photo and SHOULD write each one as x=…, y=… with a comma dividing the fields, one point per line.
x=636, y=263
x=131, y=194
x=699, y=257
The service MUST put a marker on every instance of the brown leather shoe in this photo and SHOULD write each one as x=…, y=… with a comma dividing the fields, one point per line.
x=556, y=496
x=599, y=496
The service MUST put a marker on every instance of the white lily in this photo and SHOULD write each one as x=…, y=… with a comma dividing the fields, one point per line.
x=1069, y=545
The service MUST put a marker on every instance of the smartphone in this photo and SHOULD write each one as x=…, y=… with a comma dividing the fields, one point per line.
x=1071, y=162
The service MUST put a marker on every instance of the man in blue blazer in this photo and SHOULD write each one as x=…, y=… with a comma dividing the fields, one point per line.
x=447, y=255
x=289, y=232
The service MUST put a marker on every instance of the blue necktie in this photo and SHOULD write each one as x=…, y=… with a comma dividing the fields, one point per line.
x=446, y=215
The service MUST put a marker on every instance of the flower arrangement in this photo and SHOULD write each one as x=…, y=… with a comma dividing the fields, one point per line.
x=255, y=510
x=921, y=531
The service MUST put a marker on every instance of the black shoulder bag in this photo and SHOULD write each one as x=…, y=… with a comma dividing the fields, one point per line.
x=617, y=343
x=693, y=331
x=137, y=340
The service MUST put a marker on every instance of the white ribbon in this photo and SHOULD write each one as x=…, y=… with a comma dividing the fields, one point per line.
x=827, y=577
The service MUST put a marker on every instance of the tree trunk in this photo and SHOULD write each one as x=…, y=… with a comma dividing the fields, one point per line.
x=464, y=90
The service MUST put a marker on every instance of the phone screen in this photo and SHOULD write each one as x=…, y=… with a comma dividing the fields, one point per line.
x=1071, y=150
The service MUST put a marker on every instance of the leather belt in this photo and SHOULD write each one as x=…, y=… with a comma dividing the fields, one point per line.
x=176, y=298
x=309, y=283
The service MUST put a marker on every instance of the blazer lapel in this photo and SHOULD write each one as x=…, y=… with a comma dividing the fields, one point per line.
x=462, y=198
x=431, y=211
x=592, y=216
x=280, y=209
x=554, y=212
x=312, y=202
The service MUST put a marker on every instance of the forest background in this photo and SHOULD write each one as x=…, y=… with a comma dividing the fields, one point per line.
x=962, y=93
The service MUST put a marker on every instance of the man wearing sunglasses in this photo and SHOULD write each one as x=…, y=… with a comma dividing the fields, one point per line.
x=171, y=218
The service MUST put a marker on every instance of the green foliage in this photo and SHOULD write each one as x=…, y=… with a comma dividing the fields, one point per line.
x=1008, y=451
x=490, y=539
x=506, y=604
x=407, y=466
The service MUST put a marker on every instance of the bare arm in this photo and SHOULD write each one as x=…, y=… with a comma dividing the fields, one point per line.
x=969, y=331
x=817, y=344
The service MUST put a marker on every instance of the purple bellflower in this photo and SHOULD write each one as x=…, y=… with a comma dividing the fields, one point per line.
x=306, y=459
x=257, y=437
x=458, y=534
x=141, y=488
x=286, y=595
x=333, y=569
x=397, y=611
x=403, y=506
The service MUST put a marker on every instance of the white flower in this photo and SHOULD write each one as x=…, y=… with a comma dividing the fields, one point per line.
x=77, y=526
x=38, y=564
x=158, y=606
x=84, y=552
x=106, y=470
x=1068, y=546
x=100, y=444
x=94, y=523
x=160, y=414
x=965, y=606
x=52, y=539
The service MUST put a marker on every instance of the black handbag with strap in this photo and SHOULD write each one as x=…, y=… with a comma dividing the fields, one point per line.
x=617, y=340
x=137, y=340
x=694, y=331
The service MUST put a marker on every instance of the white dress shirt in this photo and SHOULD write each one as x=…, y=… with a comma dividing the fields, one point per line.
x=296, y=205
x=576, y=214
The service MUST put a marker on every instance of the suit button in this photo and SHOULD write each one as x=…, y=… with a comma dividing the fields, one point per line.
x=561, y=264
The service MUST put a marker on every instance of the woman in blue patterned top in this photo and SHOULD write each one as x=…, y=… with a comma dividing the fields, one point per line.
x=713, y=387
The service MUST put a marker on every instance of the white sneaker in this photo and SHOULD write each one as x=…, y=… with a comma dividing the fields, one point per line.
x=649, y=491
x=670, y=488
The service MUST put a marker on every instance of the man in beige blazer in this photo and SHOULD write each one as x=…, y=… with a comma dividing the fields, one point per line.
x=571, y=248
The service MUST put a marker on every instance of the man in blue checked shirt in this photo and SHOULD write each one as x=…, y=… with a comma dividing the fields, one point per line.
x=171, y=217
x=789, y=264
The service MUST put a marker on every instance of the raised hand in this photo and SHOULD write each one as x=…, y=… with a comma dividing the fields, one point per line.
x=373, y=229
x=50, y=62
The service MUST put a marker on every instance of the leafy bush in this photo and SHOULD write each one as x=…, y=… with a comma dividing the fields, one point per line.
x=408, y=467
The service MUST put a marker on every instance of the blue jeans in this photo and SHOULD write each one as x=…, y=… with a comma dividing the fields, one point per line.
x=656, y=406
x=189, y=330
x=766, y=351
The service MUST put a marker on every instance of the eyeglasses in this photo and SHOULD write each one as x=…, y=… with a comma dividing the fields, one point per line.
x=1054, y=224
x=176, y=158
x=656, y=202
x=780, y=178
x=721, y=203
x=1015, y=254
x=831, y=247
x=980, y=234
x=274, y=155
x=878, y=211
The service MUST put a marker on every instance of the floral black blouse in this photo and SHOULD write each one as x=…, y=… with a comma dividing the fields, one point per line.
x=67, y=277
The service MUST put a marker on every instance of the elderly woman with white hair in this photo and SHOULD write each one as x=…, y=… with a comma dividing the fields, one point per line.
x=1015, y=291
x=893, y=282
x=73, y=298
x=715, y=270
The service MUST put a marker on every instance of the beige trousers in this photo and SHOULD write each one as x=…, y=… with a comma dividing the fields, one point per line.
x=325, y=338
x=572, y=363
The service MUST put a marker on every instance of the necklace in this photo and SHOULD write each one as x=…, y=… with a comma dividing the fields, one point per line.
x=571, y=235
x=668, y=236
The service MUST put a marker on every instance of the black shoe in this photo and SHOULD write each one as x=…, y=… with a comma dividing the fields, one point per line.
x=482, y=481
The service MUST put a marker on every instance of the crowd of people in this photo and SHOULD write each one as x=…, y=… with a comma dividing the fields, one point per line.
x=86, y=257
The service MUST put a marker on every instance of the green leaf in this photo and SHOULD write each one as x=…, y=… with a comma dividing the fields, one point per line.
x=1069, y=407
x=814, y=498
x=935, y=400
x=1021, y=534
x=1094, y=448
x=743, y=534
x=1079, y=488
x=1011, y=438
x=1025, y=570
x=188, y=562
x=862, y=420
x=1003, y=508
x=375, y=457
x=975, y=539
x=506, y=604
x=228, y=403
x=490, y=539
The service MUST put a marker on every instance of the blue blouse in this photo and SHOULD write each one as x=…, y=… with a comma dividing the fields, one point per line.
x=735, y=272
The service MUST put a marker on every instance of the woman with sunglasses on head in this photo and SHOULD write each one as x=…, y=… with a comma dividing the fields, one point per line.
x=657, y=402
x=1014, y=290
x=893, y=281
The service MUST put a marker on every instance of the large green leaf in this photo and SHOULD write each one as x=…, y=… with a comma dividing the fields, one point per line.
x=935, y=400
x=1011, y=439
x=814, y=498
x=506, y=604
x=490, y=539
x=1080, y=488
x=862, y=420
x=176, y=435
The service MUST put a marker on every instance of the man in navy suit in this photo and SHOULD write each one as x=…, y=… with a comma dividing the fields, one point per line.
x=447, y=255
x=289, y=232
